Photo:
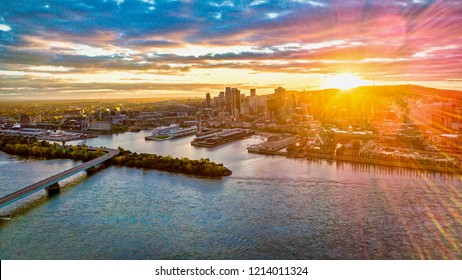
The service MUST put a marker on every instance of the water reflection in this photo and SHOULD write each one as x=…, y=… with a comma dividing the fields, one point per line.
x=270, y=208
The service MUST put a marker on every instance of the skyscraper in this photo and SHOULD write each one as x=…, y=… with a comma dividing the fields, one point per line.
x=221, y=100
x=228, y=99
x=207, y=100
x=236, y=101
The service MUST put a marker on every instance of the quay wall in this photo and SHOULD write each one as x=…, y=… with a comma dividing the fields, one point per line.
x=410, y=165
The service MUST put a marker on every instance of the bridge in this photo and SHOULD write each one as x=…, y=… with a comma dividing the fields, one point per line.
x=51, y=183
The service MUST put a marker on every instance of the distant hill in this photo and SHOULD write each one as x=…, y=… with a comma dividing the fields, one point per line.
x=406, y=91
x=368, y=101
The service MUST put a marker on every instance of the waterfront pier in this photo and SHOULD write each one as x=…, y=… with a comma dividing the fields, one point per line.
x=222, y=137
x=272, y=147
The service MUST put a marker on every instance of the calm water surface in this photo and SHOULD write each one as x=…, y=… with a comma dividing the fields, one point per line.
x=270, y=208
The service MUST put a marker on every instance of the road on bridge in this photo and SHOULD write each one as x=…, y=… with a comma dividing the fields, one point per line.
x=58, y=177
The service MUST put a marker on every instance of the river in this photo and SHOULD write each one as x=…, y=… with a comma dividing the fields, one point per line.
x=271, y=207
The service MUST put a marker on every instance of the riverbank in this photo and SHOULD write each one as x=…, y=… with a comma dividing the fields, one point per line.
x=411, y=164
x=269, y=203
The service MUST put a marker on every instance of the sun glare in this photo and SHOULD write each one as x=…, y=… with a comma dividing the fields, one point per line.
x=343, y=81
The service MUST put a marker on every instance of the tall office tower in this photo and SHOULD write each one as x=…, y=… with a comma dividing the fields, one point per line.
x=221, y=100
x=245, y=106
x=207, y=100
x=228, y=99
x=236, y=101
x=253, y=92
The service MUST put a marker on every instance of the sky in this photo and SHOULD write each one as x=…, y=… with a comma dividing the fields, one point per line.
x=153, y=48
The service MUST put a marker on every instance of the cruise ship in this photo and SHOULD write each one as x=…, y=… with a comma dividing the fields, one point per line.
x=171, y=132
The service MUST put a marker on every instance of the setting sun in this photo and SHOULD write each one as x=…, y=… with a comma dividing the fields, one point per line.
x=343, y=81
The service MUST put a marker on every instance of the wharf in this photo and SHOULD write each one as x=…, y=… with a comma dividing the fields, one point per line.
x=222, y=137
x=171, y=132
x=207, y=133
x=176, y=135
x=156, y=138
x=271, y=147
x=66, y=138
x=416, y=165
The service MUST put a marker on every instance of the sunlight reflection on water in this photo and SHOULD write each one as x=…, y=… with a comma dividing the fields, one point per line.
x=270, y=208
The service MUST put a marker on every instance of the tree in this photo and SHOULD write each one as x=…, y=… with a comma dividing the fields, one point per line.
x=203, y=167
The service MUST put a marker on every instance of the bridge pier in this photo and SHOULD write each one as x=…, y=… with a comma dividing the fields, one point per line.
x=53, y=189
x=91, y=170
x=96, y=168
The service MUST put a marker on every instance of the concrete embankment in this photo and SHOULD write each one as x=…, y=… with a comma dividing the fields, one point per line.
x=409, y=165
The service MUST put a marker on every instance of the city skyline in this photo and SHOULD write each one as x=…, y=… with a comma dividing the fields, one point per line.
x=147, y=48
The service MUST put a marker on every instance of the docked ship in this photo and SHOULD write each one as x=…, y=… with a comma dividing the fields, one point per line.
x=221, y=137
x=171, y=132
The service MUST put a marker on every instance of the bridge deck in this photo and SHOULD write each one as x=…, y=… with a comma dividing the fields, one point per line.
x=8, y=199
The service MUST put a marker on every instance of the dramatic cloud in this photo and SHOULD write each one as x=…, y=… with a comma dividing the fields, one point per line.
x=121, y=46
x=4, y=27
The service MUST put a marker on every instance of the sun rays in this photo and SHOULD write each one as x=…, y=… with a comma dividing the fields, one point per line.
x=343, y=81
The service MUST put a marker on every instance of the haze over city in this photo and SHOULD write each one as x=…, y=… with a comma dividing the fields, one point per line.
x=146, y=48
x=231, y=130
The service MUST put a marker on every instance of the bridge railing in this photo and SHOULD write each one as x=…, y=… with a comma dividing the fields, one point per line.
x=12, y=197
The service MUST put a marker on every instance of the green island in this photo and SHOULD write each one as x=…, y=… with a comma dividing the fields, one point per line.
x=42, y=149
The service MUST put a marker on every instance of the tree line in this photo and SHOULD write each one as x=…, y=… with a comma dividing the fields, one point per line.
x=43, y=149
x=203, y=167
x=31, y=147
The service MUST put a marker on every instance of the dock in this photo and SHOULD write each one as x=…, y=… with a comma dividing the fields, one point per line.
x=171, y=132
x=273, y=147
x=222, y=137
